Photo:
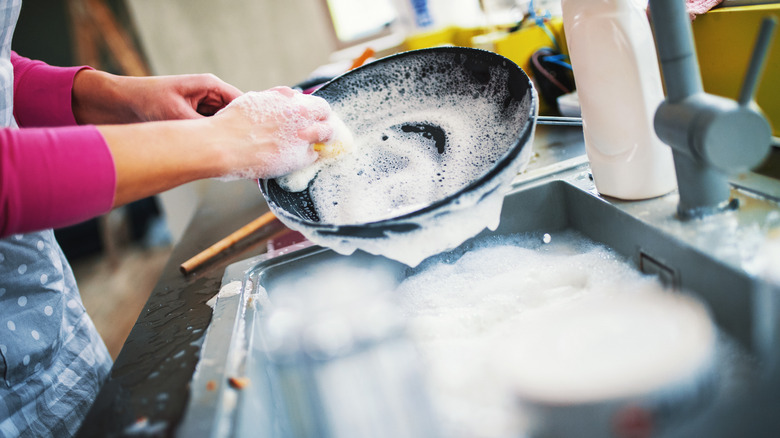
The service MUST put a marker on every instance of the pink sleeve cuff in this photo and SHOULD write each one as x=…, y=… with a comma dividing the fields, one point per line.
x=42, y=93
x=52, y=178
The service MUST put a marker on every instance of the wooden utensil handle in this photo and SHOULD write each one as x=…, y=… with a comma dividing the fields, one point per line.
x=226, y=243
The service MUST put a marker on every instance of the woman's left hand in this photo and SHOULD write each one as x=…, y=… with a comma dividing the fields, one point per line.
x=103, y=98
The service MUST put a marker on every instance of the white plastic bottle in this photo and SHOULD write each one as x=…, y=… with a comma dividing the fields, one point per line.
x=619, y=86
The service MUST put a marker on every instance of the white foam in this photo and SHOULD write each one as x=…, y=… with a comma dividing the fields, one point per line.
x=552, y=317
x=566, y=321
x=765, y=262
x=334, y=306
x=341, y=142
x=610, y=348
x=395, y=171
x=340, y=145
x=229, y=290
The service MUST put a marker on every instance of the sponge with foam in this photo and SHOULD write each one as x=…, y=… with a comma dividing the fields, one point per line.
x=341, y=142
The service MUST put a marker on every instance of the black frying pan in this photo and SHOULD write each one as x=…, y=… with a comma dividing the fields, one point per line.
x=425, y=77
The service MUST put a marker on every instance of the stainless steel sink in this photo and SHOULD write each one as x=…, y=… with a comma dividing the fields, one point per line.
x=710, y=257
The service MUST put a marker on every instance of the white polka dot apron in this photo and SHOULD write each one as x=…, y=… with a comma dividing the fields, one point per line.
x=40, y=303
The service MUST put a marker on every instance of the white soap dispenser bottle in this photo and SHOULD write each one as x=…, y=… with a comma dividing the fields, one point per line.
x=618, y=80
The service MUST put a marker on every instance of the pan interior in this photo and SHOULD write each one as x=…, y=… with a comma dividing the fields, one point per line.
x=441, y=134
x=425, y=127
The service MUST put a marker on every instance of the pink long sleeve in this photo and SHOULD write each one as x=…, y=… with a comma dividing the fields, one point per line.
x=53, y=177
x=50, y=177
x=42, y=93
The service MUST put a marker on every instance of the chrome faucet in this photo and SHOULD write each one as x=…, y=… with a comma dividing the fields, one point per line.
x=710, y=136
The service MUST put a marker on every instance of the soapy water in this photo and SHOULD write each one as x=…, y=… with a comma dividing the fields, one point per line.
x=289, y=113
x=553, y=317
x=334, y=306
x=766, y=263
x=565, y=322
x=743, y=237
x=418, y=143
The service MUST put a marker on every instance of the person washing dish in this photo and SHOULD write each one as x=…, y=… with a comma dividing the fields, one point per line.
x=76, y=142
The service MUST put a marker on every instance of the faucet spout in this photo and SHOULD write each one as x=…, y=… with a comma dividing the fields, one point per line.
x=710, y=136
x=676, y=52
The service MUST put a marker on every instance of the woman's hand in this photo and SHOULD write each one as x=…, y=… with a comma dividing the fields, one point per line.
x=273, y=132
x=103, y=98
x=258, y=135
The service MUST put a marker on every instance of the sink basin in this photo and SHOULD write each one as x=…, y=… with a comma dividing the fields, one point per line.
x=711, y=258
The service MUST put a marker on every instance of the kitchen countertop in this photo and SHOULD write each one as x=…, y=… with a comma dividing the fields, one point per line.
x=147, y=392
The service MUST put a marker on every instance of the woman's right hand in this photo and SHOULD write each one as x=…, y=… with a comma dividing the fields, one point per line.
x=258, y=135
x=270, y=133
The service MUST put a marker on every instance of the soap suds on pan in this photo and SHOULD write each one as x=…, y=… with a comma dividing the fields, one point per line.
x=339, y=147
x=427, y=130
x=415, y=151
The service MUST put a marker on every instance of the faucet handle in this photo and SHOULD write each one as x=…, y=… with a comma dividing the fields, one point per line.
x=757, y=60
x=734, y=136
x=710, y=136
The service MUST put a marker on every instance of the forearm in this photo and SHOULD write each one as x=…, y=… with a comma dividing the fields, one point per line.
x=153, y=157
x=98, y=98
x=260, y=135
x=54, y=177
